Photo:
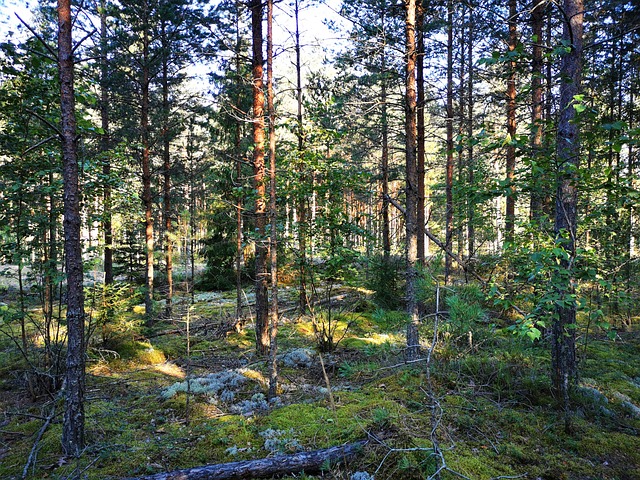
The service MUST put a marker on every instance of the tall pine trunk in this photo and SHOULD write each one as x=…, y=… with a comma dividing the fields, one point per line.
x=537, y=192
x=303, y=300
x=449, y=163
x=262, y=307
x=411, y=248
x=104, y=147
x=384, y=167
x=420, y=217
x=238, y=164
x=166, y=172
x=273, y=213
x=73, y=422
x=563, y=353
x=147, y=199
x=511, y=125
x=471, y=231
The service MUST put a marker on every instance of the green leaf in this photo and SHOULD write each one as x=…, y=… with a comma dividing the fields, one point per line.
x=579, y=107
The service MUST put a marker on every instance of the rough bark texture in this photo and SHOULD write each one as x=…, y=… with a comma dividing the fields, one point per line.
x=262, y=300
x=166, y=171
x=411, y=248
x=147, y=200
x=563, y=354
x=73, y=422
x=537, y=20
x=303, y=299
x=511, y=125
x=384, y=167
x=266, y=467
x=449, y=164
x=420, y=132
x=239, y=182
x=273, y=213
x=471, y=231
x=104, y=147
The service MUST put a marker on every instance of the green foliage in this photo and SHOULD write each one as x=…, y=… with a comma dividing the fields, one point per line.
x=109, y=309
x=219, y=251
x=330, y=328
x=385, y=280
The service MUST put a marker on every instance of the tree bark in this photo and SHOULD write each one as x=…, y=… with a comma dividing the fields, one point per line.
x=262, y=300
x=73, y=422
x=537, y=20
x=147, y=200
x=471, y=231
x=411, y=248
x=449, y=122
x=302, y=204
x=386, y=228
x=273, y=213
x=511, y=125
x=238, y=164
x=563, y=353
x=266, y=467
x=104, y=147
x=166, y=171
x=420, y=217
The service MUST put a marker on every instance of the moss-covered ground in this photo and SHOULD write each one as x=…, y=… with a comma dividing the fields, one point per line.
x=485, y=400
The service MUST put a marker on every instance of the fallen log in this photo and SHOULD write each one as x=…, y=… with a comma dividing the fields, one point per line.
x=265, y=467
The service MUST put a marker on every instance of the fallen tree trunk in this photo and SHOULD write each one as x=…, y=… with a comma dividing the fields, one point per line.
x=265, y=467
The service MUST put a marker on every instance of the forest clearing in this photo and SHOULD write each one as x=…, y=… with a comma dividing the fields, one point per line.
x=319, y=239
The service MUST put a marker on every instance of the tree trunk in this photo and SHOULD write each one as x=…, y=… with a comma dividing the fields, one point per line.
x=147, y=200
x=471, y=232
x=166, y=171
x=420, y=217
x=386, y=228
x=411, y=248
x=238, y=161
x=73, y=422
x=449, y=122
x=563, y=354
x=273, y=213
x=302, y=204
x=262, y=300
x=511, y=125
x=104, y=147
x=537, y=195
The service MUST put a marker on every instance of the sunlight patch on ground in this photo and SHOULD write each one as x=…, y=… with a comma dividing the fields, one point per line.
x=254, y=375
x=170, y=369
x=102, y=369
x=380, y=338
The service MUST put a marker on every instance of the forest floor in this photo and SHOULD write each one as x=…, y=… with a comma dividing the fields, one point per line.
x=483, y=398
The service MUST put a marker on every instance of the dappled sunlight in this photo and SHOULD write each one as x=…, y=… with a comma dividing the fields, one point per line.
x=382, y=338
x=254, y=375
x=169, y=369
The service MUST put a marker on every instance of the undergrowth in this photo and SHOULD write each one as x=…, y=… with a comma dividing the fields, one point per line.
x=151, y=409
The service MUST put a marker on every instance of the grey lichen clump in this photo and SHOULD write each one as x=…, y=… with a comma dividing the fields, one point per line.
x=361, y=476
x=221, y=386
x=248, y=408
x=298, y=358
x=631, y=408
x=280, y=441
